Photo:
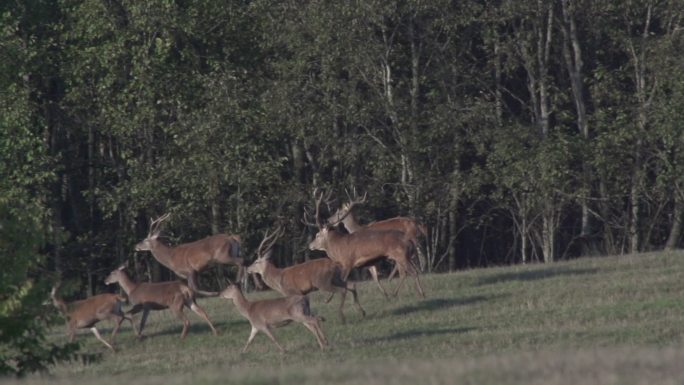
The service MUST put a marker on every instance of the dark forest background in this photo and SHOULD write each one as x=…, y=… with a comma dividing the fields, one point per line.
x=517, y=131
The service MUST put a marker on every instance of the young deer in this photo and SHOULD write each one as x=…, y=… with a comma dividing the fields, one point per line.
x=318, y=274
x=144, y=297
x=87, y=312
x=266, y=314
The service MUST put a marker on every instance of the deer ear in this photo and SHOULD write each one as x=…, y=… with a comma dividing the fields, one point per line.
x=123, y=266
x=267, y=254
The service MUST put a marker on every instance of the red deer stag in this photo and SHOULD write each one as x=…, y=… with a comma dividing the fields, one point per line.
x=87, y=312
x=144, y=297
x=411, y=227
x=318, y=274
x=266, y=314
x=187, y=260
x=365, y=248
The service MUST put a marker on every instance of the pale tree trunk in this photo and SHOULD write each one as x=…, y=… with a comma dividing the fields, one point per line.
x=644, y=95
x=413, y=191
x=572, y=53
x=549, y=230
x=676, y=229
x=455, y=197
x=604, y=208
x=537, y=67
x=215, y=206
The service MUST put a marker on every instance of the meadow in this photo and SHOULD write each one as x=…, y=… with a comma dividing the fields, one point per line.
x=607, y=320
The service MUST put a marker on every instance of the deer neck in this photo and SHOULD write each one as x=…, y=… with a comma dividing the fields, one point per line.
x=335, y=243
x=162, y=253
x=273, y=276
x=127, y=284
x=351, y=224
x=59, y=304
x=241, y=303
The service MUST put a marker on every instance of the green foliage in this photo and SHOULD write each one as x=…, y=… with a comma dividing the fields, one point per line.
x=23, y=314
x=228, y=114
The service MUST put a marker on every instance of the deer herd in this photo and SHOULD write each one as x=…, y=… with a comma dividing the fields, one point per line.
x=393, y=239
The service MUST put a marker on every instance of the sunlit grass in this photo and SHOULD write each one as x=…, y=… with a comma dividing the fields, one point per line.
x=600, y=320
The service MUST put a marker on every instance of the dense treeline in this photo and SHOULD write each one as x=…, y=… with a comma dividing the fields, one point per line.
x=516, y=130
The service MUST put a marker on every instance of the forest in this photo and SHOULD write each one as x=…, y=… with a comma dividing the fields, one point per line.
x=516, y=131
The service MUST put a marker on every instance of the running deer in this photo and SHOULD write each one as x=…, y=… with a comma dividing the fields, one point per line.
x=144, y=297
x=318, y=274
x=267, y=314
x=87, y=312
x=187, y=260
x=411, y=227
x=365, y=248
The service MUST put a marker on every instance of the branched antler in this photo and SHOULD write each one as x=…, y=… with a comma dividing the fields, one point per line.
x=269, y=240
x=154, y=224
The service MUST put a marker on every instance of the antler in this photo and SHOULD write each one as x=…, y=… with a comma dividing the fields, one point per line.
x=354, y=198
x=346, y=209
x=318, y=199
x=154, y=224
x=269, y=240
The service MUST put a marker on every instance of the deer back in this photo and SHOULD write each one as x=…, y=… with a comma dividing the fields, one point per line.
x=306, y=277
x=367, y=245
x=160, y=293
x=87, y=312
x=197, y=255
x=277, y=310
x=409, y=226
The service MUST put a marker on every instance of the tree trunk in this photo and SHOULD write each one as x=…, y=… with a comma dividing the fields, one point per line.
x=572, y=54
x=676, y=229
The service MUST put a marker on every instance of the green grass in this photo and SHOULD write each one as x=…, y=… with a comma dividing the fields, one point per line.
x=612, y=320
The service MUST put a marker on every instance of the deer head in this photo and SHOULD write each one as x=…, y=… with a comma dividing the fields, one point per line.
x=116, y=275
x=352, y=200
x=265, y=250
x=152, y=235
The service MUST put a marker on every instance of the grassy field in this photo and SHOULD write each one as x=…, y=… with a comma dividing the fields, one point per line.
x=612, y=320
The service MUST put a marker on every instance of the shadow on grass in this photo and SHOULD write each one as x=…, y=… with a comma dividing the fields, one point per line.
x=417, y=333
x=196, y=327
x=533, y=275
x=439, y=303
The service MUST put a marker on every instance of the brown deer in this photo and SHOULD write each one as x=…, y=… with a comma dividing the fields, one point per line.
x=318, y=274
x=187, y=260
x=411, y=227
x=266, y=314
x=144, y=297
x=87, y=312
x=365, y=248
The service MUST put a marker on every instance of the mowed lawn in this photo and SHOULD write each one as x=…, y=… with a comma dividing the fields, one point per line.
x=608, y=320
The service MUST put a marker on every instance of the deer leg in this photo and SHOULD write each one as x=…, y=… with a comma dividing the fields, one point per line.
x=267, y=331
x=311, y=324
x=200, y=312
x=179, y=313
x=413, y=271
x=352, y=288
x=340, y=310
x=143, y=319
x=392, y=273
x=374, y=273
x=130, y=319
x=402, y=277
x=99, y=337
x=71, y=332
x=119, y=320
x=252, y=334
